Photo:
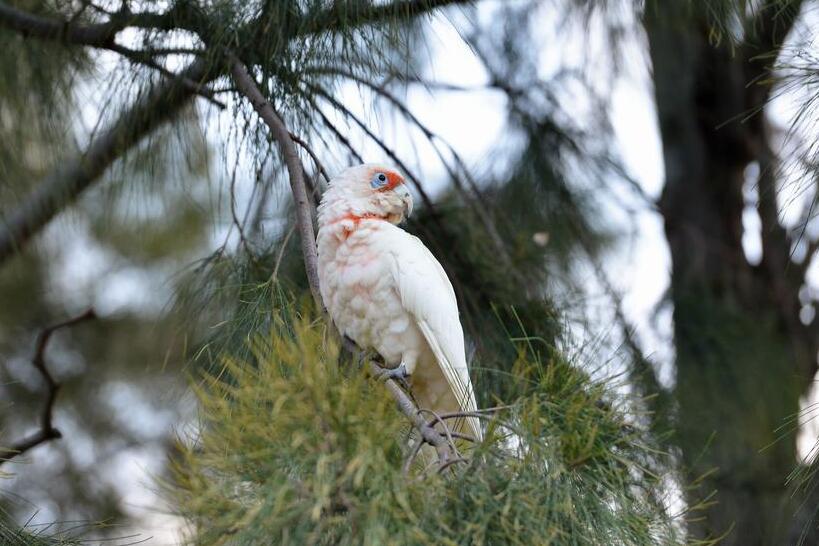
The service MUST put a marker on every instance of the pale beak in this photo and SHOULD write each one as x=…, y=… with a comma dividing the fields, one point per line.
x=406, y=197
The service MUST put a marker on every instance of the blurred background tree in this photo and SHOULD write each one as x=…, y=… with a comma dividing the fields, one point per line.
x=132, y=161
x=745, y=350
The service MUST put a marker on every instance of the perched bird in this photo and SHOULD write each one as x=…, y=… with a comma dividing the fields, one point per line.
x=386, y=291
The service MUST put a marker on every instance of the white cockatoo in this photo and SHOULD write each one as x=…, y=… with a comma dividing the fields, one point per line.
x=386, y=291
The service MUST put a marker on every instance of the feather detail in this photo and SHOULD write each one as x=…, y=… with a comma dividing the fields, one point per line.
x=428, y=296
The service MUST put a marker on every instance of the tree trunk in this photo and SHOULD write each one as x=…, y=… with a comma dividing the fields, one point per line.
x=743, y=358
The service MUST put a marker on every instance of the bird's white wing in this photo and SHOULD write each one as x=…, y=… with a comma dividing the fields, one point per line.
x=427, y=294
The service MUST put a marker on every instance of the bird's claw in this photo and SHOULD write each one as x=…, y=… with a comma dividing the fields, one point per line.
x=399, y=374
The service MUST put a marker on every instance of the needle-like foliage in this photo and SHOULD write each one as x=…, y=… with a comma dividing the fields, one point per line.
x=293, y=448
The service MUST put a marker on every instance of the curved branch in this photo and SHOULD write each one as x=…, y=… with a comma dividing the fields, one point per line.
x=336, y=132
x=47, y=430
x=301, y=142
x=411, y=411
x=247, y=86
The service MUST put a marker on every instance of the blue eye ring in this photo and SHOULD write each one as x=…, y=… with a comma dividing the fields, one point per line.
x=379, y=181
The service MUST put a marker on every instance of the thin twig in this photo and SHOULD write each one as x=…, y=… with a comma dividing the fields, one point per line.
x=283, y=247
x=47, y=431
x=234, y=215
x=312, y=155
x=337, y=132
x=164, y=51
x=437, y=419
x=461, y=414
x=479, y=414
x=146, y=59
x=451, y=462
x=414, y=451
x=462, y=436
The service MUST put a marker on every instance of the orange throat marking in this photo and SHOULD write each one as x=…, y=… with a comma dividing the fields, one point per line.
x=356, y=220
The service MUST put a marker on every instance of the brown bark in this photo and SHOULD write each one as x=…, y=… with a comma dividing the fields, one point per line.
x=47, y=430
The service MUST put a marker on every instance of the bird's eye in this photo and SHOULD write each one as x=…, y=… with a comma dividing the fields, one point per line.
x=379, y=180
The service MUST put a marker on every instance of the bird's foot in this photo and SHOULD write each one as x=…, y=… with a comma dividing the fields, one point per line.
x=399, y=374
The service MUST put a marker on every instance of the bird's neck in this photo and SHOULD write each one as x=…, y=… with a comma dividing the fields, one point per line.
x=336, y=204
x=342, y=214
x=342, y=225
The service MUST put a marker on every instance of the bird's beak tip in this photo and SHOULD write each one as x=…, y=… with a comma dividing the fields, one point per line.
x=406, y=197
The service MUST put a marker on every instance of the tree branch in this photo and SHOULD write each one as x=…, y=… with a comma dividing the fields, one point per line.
x=431, y=436
x=94, y=35
x=73, y=176
x=47, y=28
x=47, y=430
x=102, y=35
x=247, y=86
x=340, y=15
x=301, y=142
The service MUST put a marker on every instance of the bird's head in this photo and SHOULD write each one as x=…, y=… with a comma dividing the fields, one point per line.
x=369, y=189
